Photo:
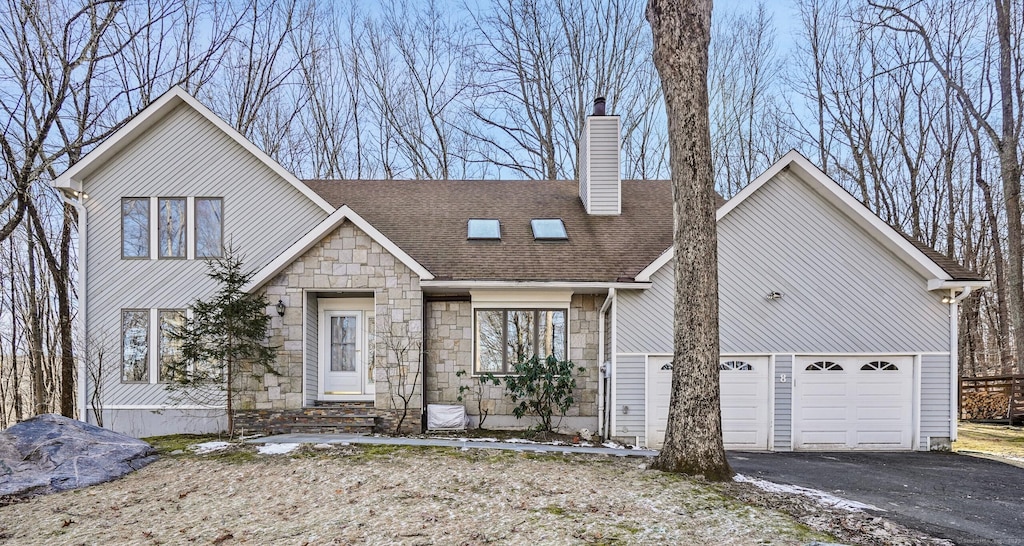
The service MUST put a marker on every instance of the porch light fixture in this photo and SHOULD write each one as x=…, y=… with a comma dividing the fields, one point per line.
x=947, y=299
x=280, y=308
x=772, y=296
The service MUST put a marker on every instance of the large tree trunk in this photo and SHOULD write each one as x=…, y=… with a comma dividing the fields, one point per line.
x=693, y=438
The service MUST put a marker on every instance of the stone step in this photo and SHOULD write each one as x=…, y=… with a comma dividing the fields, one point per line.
x=319, y=428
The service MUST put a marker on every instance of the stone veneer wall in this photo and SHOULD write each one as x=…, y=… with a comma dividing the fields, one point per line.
x=450, y=349
x=346, y=260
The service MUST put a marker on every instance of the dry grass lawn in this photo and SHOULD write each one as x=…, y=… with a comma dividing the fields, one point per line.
x=1001, y=441
x=388, y=495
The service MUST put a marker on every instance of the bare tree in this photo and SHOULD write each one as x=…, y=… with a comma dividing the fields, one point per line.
x=398, y=359
x=541, y=65
x=1003, y=128
x=748, y=128
x=693, y=436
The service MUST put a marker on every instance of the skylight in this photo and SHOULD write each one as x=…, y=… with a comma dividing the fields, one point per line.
x=548, y=228
x=484, y=228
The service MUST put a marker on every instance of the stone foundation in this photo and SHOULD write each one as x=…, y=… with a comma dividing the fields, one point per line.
x=330, y=418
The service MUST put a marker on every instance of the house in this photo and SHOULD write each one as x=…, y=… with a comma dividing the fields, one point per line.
x=837, y=332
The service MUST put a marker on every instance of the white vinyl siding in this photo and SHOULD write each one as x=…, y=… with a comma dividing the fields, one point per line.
x=935, y=403
x=600, y=182
x=183, y=154
x=630, y=402
x=783, y=414
x=311, y=348
x=842, y=292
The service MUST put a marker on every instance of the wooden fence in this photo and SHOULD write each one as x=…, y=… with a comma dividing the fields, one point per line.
x=979, y=394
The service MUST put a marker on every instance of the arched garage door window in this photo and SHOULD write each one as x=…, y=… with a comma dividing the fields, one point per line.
x=824, y=366
x=879, y=365
x=735, y=365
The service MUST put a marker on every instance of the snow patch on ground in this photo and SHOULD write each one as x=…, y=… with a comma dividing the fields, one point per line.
x=208, y=447
x=276, y=449
x=821, y=497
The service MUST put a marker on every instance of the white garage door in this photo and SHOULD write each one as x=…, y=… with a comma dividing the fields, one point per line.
x=745, y=388
x=853, y=403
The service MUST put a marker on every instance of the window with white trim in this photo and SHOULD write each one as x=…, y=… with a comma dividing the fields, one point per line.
x=135, y=345
x=505, y=337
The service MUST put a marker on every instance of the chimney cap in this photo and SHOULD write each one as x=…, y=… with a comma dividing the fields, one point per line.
x=599, y=103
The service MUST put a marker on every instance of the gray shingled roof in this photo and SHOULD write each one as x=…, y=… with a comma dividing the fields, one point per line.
x=428, y=219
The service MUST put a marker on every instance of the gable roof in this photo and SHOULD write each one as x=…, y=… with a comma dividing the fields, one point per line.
x=930, y=263
x=428, y=219
x=71, y=179
x=324, y=228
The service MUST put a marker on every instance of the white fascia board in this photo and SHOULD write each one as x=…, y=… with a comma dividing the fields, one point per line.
x=943, y=284
x=533, y=285
x=316, y=234
x=835, y=193
x=71, y=178
x=658, y=263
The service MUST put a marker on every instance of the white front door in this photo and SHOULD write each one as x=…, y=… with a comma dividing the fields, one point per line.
x=346, y=362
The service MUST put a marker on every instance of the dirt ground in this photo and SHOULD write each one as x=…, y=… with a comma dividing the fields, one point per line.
x=389, y=495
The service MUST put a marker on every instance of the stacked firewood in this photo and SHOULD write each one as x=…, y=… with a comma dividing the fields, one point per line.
x=984, y=405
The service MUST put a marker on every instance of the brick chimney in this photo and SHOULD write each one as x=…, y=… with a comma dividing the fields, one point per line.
x=600, y=179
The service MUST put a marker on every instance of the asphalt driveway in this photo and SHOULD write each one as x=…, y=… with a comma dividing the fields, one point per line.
x=965, y=499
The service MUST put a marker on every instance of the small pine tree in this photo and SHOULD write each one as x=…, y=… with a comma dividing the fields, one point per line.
x=224, y=333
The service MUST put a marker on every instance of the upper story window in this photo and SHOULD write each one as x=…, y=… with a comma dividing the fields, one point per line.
x=135, y=228
x=171, y=227
x=181, y=227
x=209, y=227
x=505, y=337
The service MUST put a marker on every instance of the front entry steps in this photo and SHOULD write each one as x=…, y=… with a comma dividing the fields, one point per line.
x=323, y=418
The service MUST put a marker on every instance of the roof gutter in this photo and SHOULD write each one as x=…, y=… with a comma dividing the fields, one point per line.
x=954, y=284
x=603, y=361
x=83, y=226
x=954, y=300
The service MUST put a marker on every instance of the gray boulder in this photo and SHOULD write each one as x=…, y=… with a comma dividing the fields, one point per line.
x=50, y=453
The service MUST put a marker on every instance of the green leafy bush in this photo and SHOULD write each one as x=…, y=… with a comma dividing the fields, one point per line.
x=542, y=386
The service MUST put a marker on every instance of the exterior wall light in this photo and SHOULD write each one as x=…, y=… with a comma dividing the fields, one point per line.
x=773, y=296
x=947, y=299
x=280, y=308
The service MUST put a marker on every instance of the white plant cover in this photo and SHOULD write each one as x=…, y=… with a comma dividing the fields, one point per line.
x=443, y=416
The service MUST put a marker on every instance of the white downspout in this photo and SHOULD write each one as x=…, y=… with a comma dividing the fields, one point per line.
x=601, y=361
x=83, y=227
x=954, y=357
